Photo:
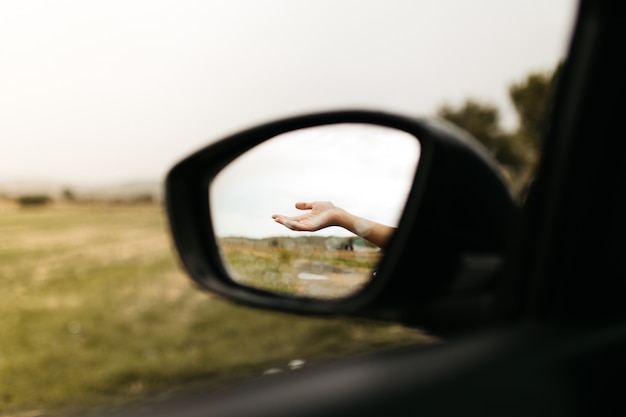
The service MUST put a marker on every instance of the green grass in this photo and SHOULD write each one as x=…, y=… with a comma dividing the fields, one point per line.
x=95, y=310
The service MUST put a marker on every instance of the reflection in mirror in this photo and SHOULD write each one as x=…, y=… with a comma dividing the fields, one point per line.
x=363, y=171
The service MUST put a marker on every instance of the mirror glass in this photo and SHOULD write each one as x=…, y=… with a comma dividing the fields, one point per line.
x=362, y=170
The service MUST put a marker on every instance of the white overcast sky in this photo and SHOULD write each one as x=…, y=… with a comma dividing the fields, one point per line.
x=119, y=90
x=365, y=169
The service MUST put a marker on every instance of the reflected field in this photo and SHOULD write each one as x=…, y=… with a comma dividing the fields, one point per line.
x=315, y=267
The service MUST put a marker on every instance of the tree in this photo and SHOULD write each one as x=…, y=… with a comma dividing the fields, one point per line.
x=68, y=194
x=482, y=121
x=36, y=200
x=531, y=98
x=517, y=150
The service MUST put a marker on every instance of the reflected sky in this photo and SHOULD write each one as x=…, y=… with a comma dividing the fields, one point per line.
x=364, y=169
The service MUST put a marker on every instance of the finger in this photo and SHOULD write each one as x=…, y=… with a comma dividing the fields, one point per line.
x=286, y=220
x=282, y=221
x=279, y=219
x=292, y=224
x=301, y=205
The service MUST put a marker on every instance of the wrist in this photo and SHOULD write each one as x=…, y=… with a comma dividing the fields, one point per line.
x=343, y=219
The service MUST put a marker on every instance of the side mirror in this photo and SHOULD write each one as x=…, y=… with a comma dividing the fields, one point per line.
x=432, y=184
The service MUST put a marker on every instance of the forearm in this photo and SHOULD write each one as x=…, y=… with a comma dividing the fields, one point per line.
x=376, y=233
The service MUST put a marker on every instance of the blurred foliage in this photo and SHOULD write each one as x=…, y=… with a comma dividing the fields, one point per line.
x=483, y=122
x=516, y=150
x=33, y=200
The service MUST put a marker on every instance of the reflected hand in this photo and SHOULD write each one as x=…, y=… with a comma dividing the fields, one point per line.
x=322, y=214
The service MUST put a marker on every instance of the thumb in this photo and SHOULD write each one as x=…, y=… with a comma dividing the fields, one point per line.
x=301, y=205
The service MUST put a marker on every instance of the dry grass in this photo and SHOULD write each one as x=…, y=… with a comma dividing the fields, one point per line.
x=95, y=310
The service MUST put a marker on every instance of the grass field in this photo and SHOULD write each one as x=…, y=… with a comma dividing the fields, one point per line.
x=280, y=269
x=95, y=310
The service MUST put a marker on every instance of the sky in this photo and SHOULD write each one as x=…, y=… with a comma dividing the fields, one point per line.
x=365, y=169
x=120, y=90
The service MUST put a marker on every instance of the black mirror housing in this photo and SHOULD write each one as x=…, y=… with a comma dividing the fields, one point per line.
x=440, y=266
